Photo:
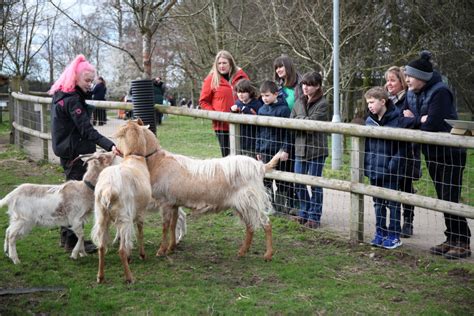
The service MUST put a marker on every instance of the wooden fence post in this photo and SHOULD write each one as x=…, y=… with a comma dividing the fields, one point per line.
x=44, y=129
x=234, y=138
x=357, y=200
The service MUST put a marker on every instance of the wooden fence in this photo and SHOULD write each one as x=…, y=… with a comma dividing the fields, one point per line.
x=357, y=133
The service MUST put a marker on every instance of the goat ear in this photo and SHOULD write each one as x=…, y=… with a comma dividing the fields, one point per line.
x=139, y=121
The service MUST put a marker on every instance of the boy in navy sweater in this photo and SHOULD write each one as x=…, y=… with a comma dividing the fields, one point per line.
x=384, y=162
x=271, y=139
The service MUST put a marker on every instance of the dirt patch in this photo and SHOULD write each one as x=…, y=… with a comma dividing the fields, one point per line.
x=462, y=274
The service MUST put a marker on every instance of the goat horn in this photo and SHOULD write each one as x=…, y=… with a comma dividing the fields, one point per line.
x=80, y=157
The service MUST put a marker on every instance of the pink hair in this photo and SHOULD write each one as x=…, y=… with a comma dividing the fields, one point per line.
x=68, y=79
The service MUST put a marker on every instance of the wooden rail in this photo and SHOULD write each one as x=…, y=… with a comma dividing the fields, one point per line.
x=356, y=187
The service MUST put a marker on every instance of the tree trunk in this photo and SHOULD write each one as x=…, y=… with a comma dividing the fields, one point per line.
x=146, y=38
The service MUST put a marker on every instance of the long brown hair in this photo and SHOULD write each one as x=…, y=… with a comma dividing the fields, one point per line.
x=291, y=75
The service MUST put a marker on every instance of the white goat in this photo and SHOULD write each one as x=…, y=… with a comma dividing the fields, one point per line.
x=213, y=185
x=122, y=195
x=153, y=207
x=67, y=204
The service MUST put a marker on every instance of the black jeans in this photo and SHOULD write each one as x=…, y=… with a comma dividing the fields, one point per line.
x=73, y=171
x=224, y=142
x=446, y=166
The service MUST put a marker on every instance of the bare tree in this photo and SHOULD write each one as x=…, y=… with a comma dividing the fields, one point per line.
x=20, y=28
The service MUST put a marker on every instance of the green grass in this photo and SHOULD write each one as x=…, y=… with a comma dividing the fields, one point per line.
x=313, y=272
x=188, y=136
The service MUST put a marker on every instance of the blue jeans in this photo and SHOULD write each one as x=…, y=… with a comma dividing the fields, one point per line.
x=310, y=208
x=381, y=205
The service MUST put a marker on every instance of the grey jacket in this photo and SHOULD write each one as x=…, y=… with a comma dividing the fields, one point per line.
x=310, y=145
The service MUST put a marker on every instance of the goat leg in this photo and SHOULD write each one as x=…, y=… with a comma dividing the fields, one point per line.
x=79, y=247
x=11, y=235
x=141, y=247
x=100, y=273
x=247, y=242
x=174, y=220
x=124, y=258
x=164, y=240
x=269, y=243
x=10, y=247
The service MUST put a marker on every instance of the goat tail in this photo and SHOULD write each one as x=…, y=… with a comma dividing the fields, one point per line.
x=274, y=161
x=100, y=230
x=100, y=233
x=108, y=196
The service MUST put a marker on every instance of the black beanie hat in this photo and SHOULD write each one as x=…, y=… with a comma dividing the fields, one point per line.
x=420, y=68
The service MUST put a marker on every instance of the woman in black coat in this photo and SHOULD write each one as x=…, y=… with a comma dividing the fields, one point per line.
x=98, y=93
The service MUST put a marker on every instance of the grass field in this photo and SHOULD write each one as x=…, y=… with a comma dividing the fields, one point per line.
x=313, y=272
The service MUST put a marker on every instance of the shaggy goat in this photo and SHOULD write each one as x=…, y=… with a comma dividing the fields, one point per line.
x=122, y=195
x=67, y=204
x=211, y=185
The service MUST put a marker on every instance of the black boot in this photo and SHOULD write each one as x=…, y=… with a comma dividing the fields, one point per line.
x=63, y=234
x=70, y=239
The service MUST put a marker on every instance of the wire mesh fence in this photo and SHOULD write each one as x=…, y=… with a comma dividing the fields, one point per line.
x=343, y=201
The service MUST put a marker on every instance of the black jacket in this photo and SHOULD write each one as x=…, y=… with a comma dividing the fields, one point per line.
x=99, y=91
x=71, y=130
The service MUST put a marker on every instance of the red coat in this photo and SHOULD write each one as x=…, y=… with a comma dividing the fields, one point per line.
x=221, y=98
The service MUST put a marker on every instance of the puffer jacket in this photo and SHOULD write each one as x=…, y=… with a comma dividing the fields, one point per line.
x=385, y=159
x=271, y=139
x=248, y=132
x=310, y=145
x=71, y=130
x=220, y=99
x=437, y=102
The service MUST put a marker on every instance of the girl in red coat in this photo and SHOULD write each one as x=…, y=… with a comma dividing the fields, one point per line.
x=217, y=93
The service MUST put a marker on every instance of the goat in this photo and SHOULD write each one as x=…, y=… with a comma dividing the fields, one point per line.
x=211, y=185
x=68, y=204
x=122, y=195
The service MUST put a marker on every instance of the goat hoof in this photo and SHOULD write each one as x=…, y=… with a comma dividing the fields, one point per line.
x=100, y=280
x=129, y=281
x=241, y=253
x=142, y=256
x=267, y=257
x=161, y=252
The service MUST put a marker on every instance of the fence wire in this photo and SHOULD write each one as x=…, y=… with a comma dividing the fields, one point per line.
x=193, y=136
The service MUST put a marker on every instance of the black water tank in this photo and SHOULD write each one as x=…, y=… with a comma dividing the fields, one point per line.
x=143, y=103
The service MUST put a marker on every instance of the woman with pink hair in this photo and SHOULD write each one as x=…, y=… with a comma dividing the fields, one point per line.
x=71, y=130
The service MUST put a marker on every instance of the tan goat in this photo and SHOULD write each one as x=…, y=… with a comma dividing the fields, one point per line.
x=122, y=195
x=212, y=185
x=66, y=204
